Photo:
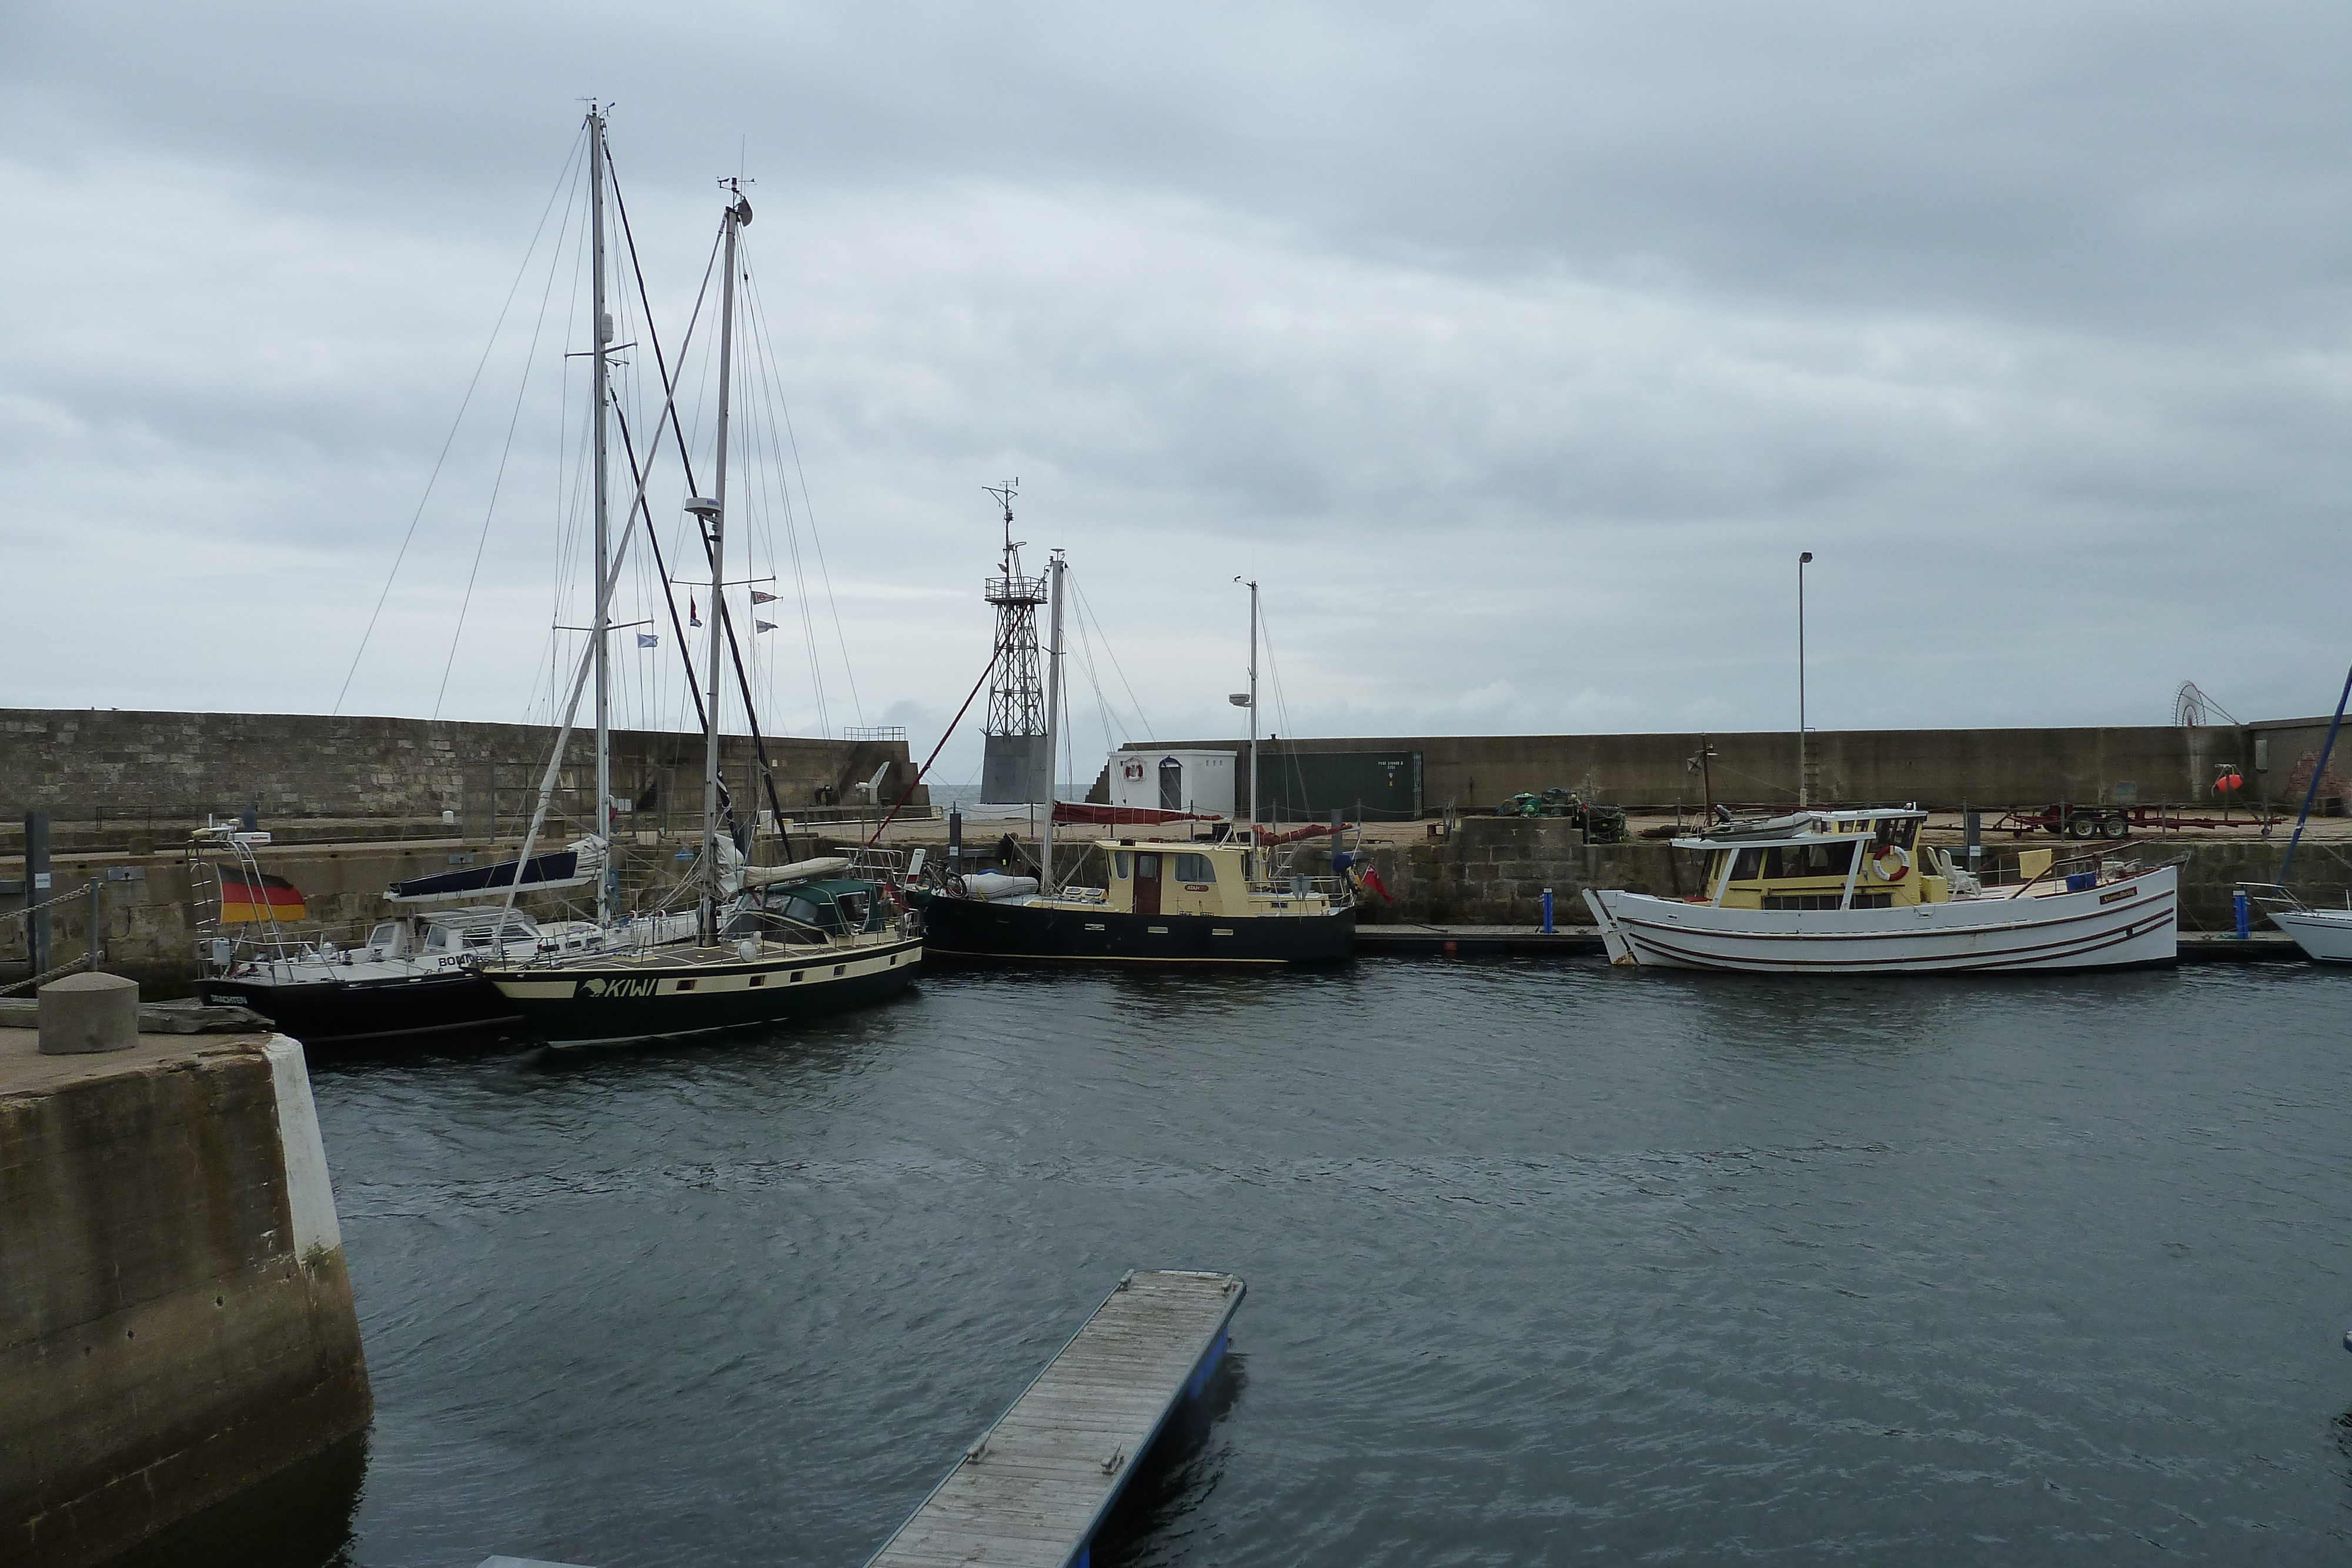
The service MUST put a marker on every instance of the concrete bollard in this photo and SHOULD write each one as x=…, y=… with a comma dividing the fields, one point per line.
x=84, y=1013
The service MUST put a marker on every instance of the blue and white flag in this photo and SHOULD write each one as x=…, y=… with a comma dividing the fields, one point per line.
x=763, y=625
x=648, y=640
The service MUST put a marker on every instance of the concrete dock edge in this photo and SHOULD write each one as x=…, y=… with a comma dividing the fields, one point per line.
x=176, y=1319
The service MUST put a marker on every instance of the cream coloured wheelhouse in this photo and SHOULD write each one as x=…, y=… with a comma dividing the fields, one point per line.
x=1854, y=892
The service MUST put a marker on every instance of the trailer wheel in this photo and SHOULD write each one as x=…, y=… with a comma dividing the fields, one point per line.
x=2084, y=825
x=2115, y=825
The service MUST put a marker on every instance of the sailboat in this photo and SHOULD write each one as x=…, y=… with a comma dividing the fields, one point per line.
x=413, y=974
x=799, y=939
x=1214, y=902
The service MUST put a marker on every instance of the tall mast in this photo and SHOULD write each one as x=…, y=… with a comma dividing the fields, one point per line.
x=738, y=212
x=1052, y=727
x=1253, y=706
x=601, y=324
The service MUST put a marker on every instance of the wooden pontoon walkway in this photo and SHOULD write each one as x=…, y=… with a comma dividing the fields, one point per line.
x=1037, y=1486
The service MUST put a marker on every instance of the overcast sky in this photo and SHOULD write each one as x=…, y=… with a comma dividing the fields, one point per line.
x=1517, y=350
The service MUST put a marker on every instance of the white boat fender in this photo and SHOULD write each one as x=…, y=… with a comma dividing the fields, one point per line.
x=1884, y=853
x=746, y=949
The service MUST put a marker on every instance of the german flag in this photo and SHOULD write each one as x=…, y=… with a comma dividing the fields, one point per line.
x=248, y=897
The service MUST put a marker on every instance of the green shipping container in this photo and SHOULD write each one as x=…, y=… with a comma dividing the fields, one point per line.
x=1364, y=785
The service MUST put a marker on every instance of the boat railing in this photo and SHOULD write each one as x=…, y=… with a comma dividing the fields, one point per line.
x=1298, y=884
x=877, y=864
x=281, y=944
x=2273, y=898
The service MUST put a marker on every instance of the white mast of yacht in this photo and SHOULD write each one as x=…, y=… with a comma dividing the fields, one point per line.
x=714, y=510
x=601, y=325
x=1053, y=727
x=1252, y=710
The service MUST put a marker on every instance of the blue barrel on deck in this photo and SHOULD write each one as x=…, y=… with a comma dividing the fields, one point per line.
x=2082, y=881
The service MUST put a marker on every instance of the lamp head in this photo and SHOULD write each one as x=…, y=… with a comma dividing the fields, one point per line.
x=1805, y=559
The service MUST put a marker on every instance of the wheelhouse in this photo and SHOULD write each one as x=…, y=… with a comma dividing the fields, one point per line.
x=1201, y=877
x=1836, y=860
x=810, y=910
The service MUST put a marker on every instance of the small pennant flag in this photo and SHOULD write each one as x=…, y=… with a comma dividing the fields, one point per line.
x=760, y=598
x=648, y=640
x=249, y=897
x=693, y=616
x=763, y=625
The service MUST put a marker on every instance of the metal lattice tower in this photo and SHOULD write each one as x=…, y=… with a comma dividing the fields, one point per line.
x=1016, y=694
x=1016, y=768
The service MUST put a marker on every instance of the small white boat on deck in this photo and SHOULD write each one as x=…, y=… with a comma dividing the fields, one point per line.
x=1853, y=893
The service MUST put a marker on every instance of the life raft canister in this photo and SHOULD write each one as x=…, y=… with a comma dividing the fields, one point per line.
x=1890, y=856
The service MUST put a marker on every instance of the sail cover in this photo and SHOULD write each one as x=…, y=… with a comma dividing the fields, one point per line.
x=573, y=867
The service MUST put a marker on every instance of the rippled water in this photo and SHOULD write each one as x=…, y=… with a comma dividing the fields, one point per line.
x=1547, y=1263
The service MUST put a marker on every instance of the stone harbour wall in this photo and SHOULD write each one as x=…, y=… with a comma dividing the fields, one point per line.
x=1945, y=768
x=143, y=777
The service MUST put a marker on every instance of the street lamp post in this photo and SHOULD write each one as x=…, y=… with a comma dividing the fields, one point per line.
x=1805, y=744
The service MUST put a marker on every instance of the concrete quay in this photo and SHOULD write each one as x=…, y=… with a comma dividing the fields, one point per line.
x=176, y=1321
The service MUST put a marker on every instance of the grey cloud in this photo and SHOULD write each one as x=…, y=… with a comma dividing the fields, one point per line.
x=1517, y=350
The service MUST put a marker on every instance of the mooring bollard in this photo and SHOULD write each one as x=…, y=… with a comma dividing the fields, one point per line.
x=1547, y=909
x=2244, y=916
x=85, y=1013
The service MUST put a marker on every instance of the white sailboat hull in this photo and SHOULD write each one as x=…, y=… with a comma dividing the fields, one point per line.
x=2120, y=924
x=2324, y=934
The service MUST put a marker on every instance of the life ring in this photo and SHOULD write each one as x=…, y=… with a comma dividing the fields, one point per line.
x=1884, y=853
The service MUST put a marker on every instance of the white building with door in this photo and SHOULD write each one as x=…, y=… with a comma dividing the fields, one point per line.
x=1196, y=781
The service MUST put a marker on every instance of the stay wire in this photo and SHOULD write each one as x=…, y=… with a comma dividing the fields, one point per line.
x=772, y=380
x=686, y=462
x=490, y=511
x=816, y=539
x=562, y=183
x=1086, y=610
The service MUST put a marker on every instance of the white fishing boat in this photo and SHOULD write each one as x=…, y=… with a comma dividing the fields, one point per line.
x=1853, y=892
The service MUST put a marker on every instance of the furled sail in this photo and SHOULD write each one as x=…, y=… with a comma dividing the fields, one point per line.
x=576, y=865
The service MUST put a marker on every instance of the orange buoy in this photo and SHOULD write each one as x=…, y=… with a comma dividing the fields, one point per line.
x=2228, y=781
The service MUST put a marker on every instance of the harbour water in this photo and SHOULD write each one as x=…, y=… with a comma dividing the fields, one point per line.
x=1547, y=1263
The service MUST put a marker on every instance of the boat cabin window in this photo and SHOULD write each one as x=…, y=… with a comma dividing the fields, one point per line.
x=1809, y=860
x=792, y=907
x=853, y=909
x=385, y=937
x=1195, y=868
x=1899, y=832
x=1748, y=866
x=1119, y=864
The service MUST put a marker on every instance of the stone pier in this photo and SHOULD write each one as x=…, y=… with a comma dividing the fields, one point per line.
x=175, y=1319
